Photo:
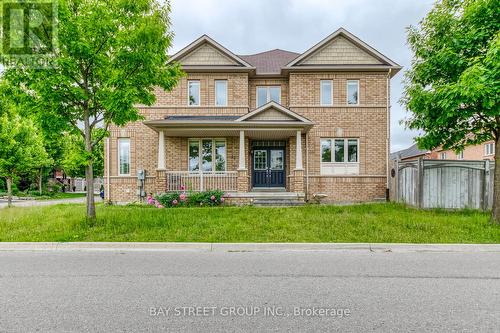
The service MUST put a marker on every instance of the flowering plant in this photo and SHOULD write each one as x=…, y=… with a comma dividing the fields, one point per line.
x=197, y=199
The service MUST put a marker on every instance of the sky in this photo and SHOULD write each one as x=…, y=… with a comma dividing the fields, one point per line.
x=252, y=26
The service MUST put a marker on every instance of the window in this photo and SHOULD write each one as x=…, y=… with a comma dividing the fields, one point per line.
x=221, y=92
x=124, y=156
x=460, y=155
x=265, y=94
x=326, y=92
x=339, y=156
x=489, y=149
x=353, y=92
x=194, y=93
x=207, y=155
x=442, y=156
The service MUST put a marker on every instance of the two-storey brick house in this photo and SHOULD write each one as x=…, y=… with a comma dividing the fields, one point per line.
x=301, y=125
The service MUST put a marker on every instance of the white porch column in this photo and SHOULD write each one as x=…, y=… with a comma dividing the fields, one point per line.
x=242, y=151
x=161, y=150
x=298, y=151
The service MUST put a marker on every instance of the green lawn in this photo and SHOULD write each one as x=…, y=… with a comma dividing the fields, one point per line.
x=356, y=223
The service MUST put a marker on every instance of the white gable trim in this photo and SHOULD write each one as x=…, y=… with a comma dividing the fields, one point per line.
x=355, y=40
x=276, y=106
x=206, y=39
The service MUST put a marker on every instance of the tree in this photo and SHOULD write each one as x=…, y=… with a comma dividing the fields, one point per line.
x=111, y=55
x=22, y=149
x=453, y=87
x=74, y=157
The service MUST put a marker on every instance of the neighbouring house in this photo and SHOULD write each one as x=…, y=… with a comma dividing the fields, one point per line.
x=275, y=123
x=484, y=151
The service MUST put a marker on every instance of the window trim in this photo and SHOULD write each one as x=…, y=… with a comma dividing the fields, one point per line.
x=200, y=159
x=268, y=94
x=441, y=155
x=346, y=151
x=226, y=92
x=347, y=91
x=460, y=155
x=321, y=92
x=492, y=145
x=119, y=157
x=199, y=93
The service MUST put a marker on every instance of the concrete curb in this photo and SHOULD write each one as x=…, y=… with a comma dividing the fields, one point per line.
x=245, y=247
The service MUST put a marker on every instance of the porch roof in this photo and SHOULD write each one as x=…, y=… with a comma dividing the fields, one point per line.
x=271, y=120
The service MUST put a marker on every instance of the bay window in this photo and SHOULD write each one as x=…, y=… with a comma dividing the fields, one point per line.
x=207, y=155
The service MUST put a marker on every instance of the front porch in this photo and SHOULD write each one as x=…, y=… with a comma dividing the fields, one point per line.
x=240, y=155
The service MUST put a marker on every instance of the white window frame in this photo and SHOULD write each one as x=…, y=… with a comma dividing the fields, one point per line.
x=268, y=94
x=199, y=93
x=442, y=155
x=225, y=91
x=460, y=155
x=214, y=154
x=119, y=157
x=333, y=168
x=347, y=91
x=487, y=148
x=321, y=92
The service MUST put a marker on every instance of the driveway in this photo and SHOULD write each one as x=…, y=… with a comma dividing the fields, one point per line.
x=297, y=291
x=31, y=203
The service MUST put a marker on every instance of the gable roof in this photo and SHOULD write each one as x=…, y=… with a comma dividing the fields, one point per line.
x=273, y=106
x=270, y=62
x=201, y=42
x=353, y=41
x=411, y=151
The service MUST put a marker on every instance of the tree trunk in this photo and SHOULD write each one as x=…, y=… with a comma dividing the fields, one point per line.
x=40, y=179
x=9, y=191
x=89, y=170
x=495, y=214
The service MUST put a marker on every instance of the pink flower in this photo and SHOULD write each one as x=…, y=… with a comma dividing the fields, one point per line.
x=160, y=206
x=182, y=197
x=212, y=197
x=174, y=202
x=222, y=199
x=183, y=187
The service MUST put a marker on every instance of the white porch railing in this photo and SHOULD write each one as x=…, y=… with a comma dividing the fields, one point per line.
x=202, y=181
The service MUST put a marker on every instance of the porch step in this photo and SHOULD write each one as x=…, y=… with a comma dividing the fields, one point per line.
x=277, y=202
x=269, y=189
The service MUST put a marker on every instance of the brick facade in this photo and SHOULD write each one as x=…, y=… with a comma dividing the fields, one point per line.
x=300, y=92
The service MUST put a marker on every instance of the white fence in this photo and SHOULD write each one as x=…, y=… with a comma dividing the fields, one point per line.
x=444, y=183
x=202, y=181
x=80, y=184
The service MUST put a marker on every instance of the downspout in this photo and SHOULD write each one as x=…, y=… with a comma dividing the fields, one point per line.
x=307, y=166
x=108, y=185
x=388, y=138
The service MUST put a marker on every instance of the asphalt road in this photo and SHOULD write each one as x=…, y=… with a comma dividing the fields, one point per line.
x=346, y=291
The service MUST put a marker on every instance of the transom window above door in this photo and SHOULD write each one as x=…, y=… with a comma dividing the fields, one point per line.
x=265, y=94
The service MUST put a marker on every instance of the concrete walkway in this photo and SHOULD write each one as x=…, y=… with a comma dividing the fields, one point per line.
x=247, y=247
x=32, y=203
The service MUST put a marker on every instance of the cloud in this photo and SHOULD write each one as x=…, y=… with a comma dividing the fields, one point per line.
x=251, y=26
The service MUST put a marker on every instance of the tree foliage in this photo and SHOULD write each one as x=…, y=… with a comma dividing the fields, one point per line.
x=453, y=87
x=111, y=55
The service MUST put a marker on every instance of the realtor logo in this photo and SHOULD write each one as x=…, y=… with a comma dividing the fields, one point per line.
x=29, y=30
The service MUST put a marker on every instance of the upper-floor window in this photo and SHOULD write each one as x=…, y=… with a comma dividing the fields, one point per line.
x=442, y=156
x=194, y=93
x=221, y=92
x=353, y=92
x=266, y=94
x=489, y=149
x=460, y=155
x=124, y=156
x=207, y=155
x=326, y=92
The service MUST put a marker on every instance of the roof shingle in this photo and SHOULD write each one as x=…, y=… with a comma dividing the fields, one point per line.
x=270, y=62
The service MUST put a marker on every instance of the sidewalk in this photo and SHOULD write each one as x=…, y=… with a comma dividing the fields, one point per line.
x=246, y=247
x=32, y=203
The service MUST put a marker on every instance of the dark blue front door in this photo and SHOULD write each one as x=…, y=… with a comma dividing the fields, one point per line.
x=269, y=167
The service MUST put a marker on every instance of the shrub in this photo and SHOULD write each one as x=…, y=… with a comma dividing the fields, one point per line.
x=193, y=199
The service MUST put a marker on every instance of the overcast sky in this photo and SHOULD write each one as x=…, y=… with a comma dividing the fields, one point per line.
x=252, y=26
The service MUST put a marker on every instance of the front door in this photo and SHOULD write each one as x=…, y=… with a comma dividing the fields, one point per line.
x=269, y=167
